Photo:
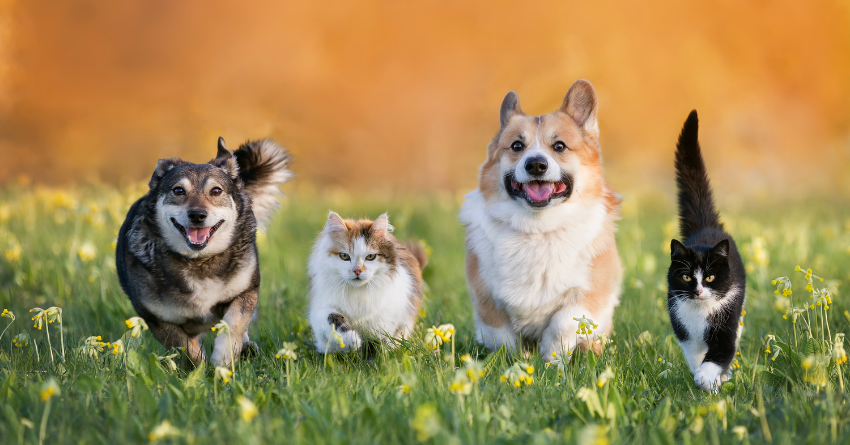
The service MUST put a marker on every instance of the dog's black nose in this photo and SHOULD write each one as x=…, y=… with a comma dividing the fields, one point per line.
x=197, y=216
x=536, y=166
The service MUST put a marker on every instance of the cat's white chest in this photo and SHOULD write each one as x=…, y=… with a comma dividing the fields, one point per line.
x=694, y=316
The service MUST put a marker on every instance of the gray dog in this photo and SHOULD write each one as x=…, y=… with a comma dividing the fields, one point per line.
x=186, y=254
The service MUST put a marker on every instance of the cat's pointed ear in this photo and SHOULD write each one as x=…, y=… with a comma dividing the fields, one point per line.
x=335, y=223
x=510, y=108
x=582, y=104
x=676, y=248
x=381, y=226
x=163, y=166
x=721, y=249
x=224, y=159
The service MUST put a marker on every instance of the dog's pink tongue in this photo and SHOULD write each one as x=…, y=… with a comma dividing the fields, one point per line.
x=539, y=191
x=198, y=235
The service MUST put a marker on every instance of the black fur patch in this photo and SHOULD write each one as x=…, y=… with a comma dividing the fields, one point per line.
x=707, y=247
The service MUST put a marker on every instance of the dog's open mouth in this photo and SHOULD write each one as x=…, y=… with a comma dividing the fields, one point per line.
x=539, y=193
x=197, y=237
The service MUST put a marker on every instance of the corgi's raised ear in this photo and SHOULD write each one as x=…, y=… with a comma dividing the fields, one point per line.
x=163, y=166
x=381, y=226
x=582, y=104
x=224, y=159
x=510, y=108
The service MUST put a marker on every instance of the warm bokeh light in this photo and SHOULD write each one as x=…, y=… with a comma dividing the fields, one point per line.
x=404, y=95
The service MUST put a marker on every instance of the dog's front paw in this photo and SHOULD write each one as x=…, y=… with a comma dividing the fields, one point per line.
x=222, y=350
x=709, y=377
x=250, y=350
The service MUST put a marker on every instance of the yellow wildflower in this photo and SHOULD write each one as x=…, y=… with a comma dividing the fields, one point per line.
x=247, y=409
x=287, y=352
x=223, y=374
x=838, y=353
x=606, y=375
x=8, y=314
x=87, y=252
x=13, y=253
x=517, y=374
x=49, y=390
x=93, y=347
x=163, y=430
x=21, y=340
x=136, y=326
x=117, y=347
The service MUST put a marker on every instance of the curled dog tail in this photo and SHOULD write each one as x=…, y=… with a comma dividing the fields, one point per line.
x=263, y=166
x=696, y=204
x=418, y=250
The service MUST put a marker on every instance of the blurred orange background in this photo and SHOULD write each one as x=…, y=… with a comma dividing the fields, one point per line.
x=404, y=95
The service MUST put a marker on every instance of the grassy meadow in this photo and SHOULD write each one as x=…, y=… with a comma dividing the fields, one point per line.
x=57, y=251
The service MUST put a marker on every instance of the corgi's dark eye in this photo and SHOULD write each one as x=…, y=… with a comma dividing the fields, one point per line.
x=215, y=191
x=371, y=257
x=517, y=146
x=178, y=191
x=686, y=278
x=344, y=256
x=559, y=146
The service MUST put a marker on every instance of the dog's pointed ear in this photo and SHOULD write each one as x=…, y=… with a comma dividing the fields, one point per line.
x=224, y=159
x=335, y=223
x=382, y=226
x=163, y=166
x=676, y=248
x=510, y=108
x=582, y=104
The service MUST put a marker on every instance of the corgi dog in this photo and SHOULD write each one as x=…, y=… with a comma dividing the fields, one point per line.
x=541, y=259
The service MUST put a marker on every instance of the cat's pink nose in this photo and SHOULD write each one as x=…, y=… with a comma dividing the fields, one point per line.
x=357, y=272
x=699, y=291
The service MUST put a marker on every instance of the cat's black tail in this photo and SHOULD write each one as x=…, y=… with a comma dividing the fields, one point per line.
x=696, y=205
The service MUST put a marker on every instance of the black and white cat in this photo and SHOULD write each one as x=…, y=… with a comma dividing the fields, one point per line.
x=706, y=281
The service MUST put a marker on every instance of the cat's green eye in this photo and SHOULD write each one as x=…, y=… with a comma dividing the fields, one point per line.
x=371, y=257
x=686, y=278
x=709, y=279
x=344, y=256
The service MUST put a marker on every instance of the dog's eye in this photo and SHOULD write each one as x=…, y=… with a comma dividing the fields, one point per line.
x=178, y=191
x=371, y=257
x=344, y=256
x=709, y=279
x=686, y=278
x=517, y=146
x=559, y=146
x=215, y=191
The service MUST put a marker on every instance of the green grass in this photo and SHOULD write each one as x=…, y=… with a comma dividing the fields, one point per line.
x=348, y=399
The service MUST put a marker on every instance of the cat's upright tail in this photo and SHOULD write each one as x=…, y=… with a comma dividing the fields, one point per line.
x=696, y=204
x=418, y=250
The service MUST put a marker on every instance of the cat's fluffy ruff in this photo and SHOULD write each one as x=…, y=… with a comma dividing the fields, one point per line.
x=380, y=301
x=540, y=230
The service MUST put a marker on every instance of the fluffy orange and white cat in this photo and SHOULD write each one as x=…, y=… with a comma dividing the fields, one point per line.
x=364, y=283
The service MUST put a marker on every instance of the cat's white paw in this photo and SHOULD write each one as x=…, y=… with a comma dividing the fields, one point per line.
x=709, y=377
x=352, y=340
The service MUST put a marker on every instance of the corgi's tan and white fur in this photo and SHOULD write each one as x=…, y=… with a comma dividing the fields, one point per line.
x=540, y=230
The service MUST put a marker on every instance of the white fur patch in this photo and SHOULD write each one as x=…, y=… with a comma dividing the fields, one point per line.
x=176, y=240
x=694, y=315
x=206, y=293
x=536, y=264
x=709, y=376
x=379, y=304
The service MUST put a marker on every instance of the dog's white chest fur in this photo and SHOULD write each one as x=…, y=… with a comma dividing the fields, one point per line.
x=534, y=264
x=206, y=293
